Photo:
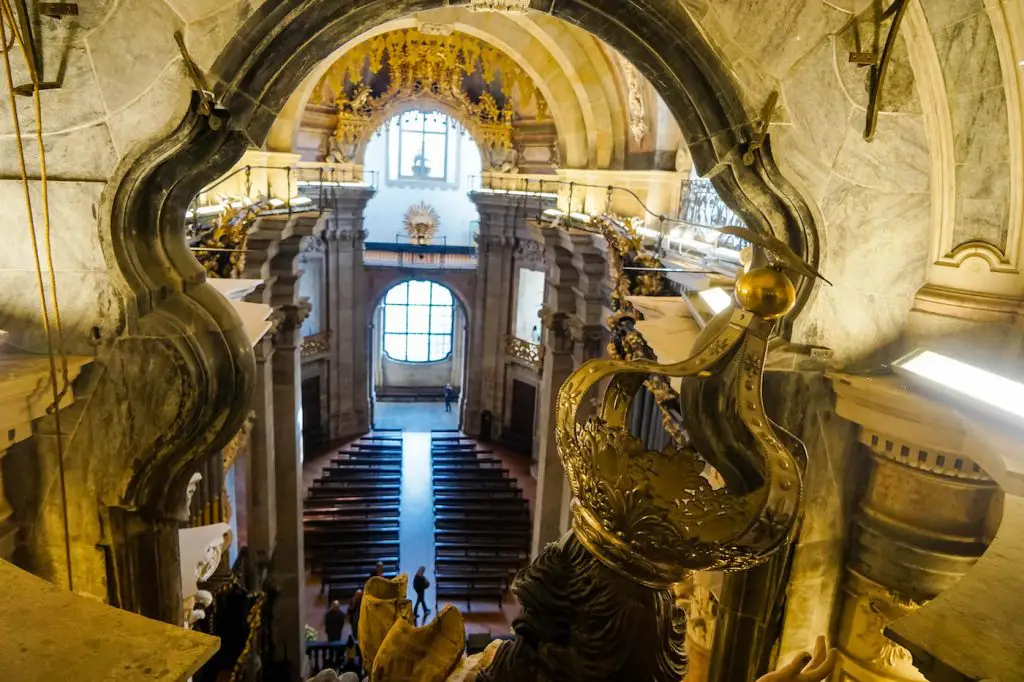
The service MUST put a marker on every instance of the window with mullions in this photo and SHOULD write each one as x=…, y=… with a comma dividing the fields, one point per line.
x=422, y=146
x=418, y=322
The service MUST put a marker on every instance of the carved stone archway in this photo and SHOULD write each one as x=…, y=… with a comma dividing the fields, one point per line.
x=253, y=78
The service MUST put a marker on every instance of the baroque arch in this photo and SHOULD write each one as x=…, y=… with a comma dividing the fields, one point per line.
x=253, y=78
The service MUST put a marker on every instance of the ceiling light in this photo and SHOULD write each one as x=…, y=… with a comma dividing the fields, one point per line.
x=1006, y=395
x=717, y=299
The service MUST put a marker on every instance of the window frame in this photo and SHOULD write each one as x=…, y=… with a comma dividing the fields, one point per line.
x=393, y=129
x=428, y=335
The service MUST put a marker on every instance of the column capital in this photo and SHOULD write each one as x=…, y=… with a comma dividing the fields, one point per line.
x=559, y=338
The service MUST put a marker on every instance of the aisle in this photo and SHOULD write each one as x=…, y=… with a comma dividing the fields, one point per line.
x=416, y=528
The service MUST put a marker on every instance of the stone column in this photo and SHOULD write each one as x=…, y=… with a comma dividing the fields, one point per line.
x=262, y=512
x=288, y=565
x=347, y=319
x=552, y=487
x=485, y=386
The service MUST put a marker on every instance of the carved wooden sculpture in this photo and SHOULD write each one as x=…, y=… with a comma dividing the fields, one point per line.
x=596, y=606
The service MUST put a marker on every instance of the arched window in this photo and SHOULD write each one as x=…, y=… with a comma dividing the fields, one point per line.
x=418, y=322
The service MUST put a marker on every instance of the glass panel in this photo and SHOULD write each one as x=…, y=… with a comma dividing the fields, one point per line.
x=441, y=295
x=394, y=346
x=419, y=292
x=436, y=123
x=441, y=320
x=398, y=294
x=417, y=348
x=440, y=346
x=412, y=120
x=394, y=319
x=411, y=153
x=419, y=319
x=435, y=149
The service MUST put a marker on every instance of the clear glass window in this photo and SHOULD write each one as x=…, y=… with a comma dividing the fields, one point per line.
x=418, y=322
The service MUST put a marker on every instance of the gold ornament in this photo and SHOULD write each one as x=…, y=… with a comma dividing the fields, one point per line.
x=421, y=223
x=424, y=70
x=652, y=516
x=765, y=291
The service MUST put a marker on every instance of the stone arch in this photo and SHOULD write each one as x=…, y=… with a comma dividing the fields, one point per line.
x=254, y=77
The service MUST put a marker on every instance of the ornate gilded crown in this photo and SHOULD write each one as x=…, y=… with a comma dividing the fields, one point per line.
x=652, y=516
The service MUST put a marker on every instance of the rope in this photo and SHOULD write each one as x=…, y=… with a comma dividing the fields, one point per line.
x=7, y=17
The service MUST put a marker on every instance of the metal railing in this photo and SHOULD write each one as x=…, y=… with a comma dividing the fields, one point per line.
x=435, y=256
x=690, y=235
x=305, y=189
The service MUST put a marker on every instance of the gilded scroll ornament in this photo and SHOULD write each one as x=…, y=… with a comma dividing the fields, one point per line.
x=412, y=68
x=652, y=516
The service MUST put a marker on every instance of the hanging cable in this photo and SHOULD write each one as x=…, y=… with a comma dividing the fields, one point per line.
x=7, y=19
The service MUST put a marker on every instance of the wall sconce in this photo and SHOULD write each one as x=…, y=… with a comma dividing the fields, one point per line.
x=1002, y=397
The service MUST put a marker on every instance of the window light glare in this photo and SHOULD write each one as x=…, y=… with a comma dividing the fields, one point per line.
x=991, y=389
x=717, y=299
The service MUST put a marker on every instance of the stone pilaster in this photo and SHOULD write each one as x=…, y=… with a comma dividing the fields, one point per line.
x=552, y=487
x=347, y=317
x=262, y=512
x=289, y=558
x=485, y=385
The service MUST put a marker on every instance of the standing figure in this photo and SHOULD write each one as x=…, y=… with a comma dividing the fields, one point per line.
x=334, y=622
x=378, y=570
x=353, y=611
x=449, y=395
x=420, y=585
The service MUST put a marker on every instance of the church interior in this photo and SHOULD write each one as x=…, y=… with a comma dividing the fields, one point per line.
x=512, y=340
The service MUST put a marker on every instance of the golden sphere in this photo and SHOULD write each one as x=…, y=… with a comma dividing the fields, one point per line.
x=765, y=292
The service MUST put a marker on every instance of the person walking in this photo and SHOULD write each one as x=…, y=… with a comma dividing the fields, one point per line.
x=353, y=612
x=449, y=395
x=334, y=622
x=420, y=585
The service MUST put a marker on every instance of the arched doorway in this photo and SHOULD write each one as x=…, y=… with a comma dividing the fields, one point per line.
x=418, y=357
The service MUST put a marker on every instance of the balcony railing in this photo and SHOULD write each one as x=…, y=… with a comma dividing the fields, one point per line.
x=525, y=352
x=435, y=256
x=316, y=344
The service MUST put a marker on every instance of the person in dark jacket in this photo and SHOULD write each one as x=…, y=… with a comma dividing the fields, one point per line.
x=420, y=585
x=449, y=395
x=334, y=622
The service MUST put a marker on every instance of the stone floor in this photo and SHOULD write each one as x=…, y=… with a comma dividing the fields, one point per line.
x=414, y=417
x=416, y=529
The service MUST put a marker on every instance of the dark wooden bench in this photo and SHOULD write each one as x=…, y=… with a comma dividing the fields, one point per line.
x=325, y=500
x=517, y=539
x=470, y=586
x=506, y=523
x=505, y=489
x=477, y=550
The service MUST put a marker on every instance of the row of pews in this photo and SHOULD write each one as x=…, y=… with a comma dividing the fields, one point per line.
x=350, y=519
x=481, y=521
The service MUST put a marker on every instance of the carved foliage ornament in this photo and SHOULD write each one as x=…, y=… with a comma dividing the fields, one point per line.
x=638, y=124
x=505, y=6
x=651, y=515
x=425, y=68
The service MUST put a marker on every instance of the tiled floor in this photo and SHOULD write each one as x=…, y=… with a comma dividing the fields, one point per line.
x=416, y=530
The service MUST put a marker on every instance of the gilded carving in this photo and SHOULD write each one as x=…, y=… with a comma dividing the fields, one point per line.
x=529, y=353
x=421, y=222
x=426, y=68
